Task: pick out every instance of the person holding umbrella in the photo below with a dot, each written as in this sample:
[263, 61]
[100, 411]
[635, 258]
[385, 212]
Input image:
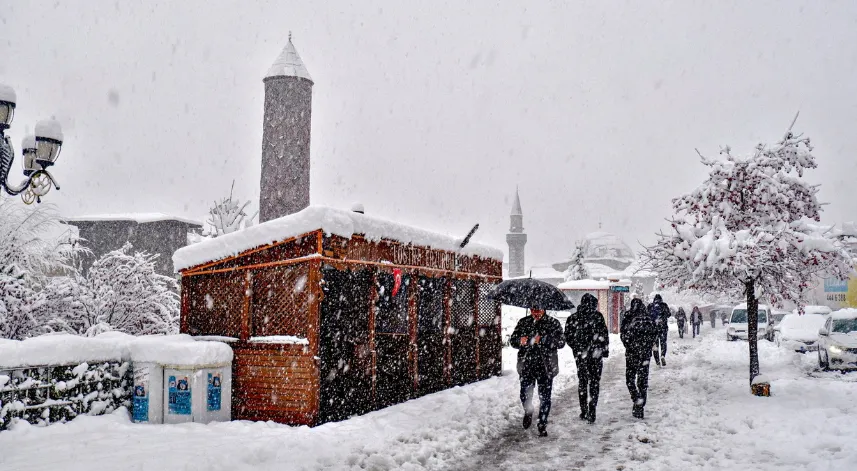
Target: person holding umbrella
[537, 337]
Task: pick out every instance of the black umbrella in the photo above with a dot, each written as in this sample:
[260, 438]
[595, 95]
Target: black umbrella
[532, 294]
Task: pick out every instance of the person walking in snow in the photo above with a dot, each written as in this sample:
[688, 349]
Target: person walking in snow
[659, 312]
[695, 320]
[586, 334]
[638, 333]
[537, 337]
[713, 316]
[680, 319]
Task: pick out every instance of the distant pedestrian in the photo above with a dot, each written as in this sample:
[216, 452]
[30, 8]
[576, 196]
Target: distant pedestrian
[537, 337]
[713, 316]
[680, 319]
[638, 333]
[695, 320]
[586, 334]
[659, 312]
[723, 316]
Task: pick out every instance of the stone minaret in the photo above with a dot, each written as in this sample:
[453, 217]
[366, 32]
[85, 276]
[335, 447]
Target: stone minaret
[516, 239]
[284, 188]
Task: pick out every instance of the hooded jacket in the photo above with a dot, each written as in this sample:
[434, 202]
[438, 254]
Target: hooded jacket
[536, 359]
[638, 330]
[586, 332]
[659, 312]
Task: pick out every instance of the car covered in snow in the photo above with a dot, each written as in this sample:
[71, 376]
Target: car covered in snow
[799, 332]
[811, 309]
[777, 316]
[737, 328]
[837, 341]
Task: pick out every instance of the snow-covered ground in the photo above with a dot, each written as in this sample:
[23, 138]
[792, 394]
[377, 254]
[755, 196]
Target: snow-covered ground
[700, 416]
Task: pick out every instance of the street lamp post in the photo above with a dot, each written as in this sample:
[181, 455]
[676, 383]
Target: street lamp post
[39, 152]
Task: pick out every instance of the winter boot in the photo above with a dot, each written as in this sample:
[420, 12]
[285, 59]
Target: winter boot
[663, 361]
[591, 416]
[543, 430]
[528, 420]
[637, 411]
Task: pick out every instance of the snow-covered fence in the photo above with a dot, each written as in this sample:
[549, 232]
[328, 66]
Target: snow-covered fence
[47, 394]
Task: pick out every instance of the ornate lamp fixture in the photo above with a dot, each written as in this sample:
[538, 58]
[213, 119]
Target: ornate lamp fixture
[39, 152]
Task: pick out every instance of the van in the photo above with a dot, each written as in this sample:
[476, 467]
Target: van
[738, 323]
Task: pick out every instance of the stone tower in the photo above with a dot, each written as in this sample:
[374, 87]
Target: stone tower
[516, 239]
[284, 187]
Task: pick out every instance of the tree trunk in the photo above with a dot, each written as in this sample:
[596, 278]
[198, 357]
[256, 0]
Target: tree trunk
[752, 327]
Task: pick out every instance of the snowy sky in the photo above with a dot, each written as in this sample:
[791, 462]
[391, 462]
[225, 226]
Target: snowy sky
[431, 113]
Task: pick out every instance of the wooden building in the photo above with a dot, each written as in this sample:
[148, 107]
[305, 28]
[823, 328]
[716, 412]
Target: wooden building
[332, 313]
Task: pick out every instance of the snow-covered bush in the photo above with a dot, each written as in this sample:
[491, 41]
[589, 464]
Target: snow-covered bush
[121, 291]
[229, 215]
[746, 231]
[45, 395]
[577, 269]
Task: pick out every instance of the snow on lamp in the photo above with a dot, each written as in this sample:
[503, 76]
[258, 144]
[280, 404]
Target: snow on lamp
[28, 147]
[7, 106]
[48, 142]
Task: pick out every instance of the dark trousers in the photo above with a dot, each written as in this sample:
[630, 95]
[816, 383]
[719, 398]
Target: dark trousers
[661, 342]
[696, 329]
[528, 383]
[637, 375]
[680, 329]
[588, 383]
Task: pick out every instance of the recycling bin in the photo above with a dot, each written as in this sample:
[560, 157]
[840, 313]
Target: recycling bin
[197, 394]
[147, 402]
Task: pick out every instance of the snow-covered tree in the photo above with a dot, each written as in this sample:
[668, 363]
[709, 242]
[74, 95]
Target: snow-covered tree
[229, 215]
[746, 231]
[121, 291]
[577, 269]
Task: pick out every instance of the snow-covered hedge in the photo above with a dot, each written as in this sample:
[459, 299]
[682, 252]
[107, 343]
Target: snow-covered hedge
[49, 394]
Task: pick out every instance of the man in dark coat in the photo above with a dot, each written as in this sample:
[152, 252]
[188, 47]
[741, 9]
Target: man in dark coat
[638, 333]
[695, 320]
[713, 317]
[659, 312]
[537, 337]
[680, 319]
[586, 334]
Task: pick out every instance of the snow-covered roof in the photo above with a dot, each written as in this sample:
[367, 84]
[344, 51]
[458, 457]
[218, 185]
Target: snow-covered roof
[542, 272]
[516, 205]
[330, 220]
[744, 306]
[135, 217]
[606, 245]
[288, 64]
[849, 313]
[591, 284]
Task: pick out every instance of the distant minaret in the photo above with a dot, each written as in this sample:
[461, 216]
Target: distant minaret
[516, 239]
[284, 188]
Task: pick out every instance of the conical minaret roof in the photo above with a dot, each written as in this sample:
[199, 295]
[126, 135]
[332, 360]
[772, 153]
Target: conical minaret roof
[289, 64]
[516, 206]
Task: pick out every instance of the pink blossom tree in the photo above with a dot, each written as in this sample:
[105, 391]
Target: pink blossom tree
[746, 231]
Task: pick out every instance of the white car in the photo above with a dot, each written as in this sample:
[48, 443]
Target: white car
[837, 341]
[799, 333]
[810, 309]
[737, 328]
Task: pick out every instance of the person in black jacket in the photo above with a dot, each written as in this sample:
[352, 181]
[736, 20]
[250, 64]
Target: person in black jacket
[638, 333]
[695, 320]
[659, 312]
[680, 319]
[586, 334]
[537, 337]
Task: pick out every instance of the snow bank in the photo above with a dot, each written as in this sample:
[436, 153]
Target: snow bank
[66, 349]
[332, 221]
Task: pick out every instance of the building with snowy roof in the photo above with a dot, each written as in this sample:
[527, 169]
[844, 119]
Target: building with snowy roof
[156, 233]
[334, 313]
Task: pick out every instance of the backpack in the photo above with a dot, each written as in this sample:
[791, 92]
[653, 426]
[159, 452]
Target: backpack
[641, 331]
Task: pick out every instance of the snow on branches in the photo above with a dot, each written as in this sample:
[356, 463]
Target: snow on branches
[228, 215]
[121, 291]
[577, 269]
[748, 225]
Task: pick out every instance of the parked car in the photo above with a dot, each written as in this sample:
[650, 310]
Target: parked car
[777, 316]
[837, 341]
[823, 310]
[738, 323]
[799, 333]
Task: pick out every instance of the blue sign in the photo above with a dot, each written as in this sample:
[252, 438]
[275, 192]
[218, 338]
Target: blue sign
[140, 412]
[179, 395]
[833, 285]
[214, 388]
[620, 289]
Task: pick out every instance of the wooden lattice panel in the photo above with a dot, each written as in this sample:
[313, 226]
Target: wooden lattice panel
[281, 298]
[488, 313]
[463, 306]
[215, 303]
